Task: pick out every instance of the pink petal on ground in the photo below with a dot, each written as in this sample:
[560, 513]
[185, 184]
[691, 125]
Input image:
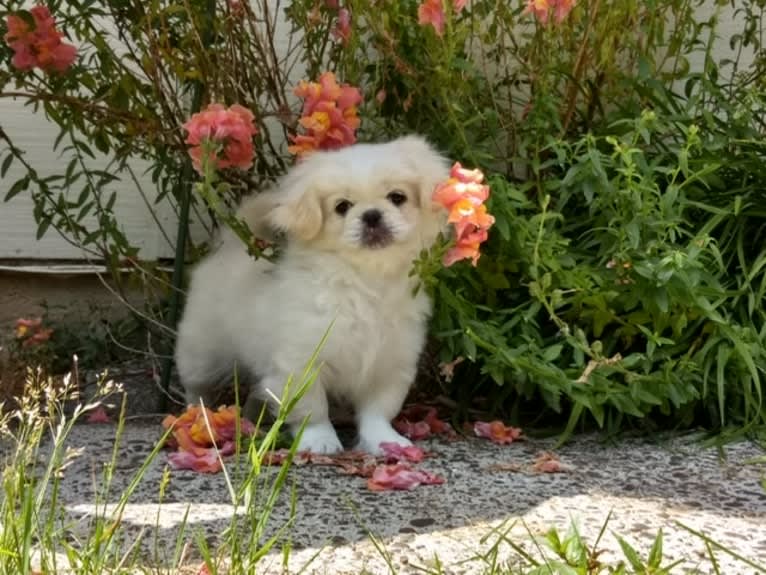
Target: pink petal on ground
[420, 421]
[547, 462]
[393, 452]
[496, 432]
[412, 430]
[207, 463]
[99, 415]
[400, 477]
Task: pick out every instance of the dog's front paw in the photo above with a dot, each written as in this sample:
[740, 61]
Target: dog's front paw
[371, 438]
[320, 438]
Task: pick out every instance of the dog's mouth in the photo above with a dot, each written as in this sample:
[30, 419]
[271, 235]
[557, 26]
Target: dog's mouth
[376, 237]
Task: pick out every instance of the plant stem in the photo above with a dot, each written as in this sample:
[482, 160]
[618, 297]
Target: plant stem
[184, 189]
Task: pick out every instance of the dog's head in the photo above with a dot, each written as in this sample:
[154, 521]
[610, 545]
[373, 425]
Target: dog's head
[365, 200]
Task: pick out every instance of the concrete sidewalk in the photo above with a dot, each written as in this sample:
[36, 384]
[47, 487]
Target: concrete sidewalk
[646, 486]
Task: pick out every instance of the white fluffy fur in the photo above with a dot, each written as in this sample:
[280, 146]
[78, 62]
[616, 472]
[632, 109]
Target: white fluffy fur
[268, 319]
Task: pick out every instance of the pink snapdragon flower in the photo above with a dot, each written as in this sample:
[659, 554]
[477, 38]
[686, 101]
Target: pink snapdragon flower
[432, 12]
[39, 45]
[342, 30]
[232, 128]
[542, 9]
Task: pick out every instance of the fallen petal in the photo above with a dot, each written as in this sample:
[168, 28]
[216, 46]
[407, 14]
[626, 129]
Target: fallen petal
[207, 463]
[400, 477]
[393, 452]
[547, 462]
[496, 432]
[415, 431]
[99, 415]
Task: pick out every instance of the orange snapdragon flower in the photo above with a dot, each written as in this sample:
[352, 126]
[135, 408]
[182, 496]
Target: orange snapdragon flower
[464, 194]
[31, 332]
[329, 115]
[197, 432]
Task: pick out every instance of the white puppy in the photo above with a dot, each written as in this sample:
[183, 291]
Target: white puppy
[355, 219]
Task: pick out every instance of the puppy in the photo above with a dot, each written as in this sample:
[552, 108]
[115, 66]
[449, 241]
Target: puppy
[354, 219]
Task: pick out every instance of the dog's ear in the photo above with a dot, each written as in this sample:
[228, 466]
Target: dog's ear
[432, 169]
[297, 210]
[255, 210]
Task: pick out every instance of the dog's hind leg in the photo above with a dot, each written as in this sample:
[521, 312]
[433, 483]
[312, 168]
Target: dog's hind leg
[202, 370]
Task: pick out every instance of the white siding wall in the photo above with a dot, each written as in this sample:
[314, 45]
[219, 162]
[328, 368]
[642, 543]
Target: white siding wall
[34, 134]
[31, 132]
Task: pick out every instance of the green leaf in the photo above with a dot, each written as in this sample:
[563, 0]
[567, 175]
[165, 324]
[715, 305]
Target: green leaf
[18, 187]
[631, 555]
[42, 227]
[469, 346]
[552, 353]
[6, 165]
[575, 551]
[723, 353]
[655, 555]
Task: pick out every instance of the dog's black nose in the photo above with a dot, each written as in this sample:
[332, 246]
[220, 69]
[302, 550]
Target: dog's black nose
[372, 218]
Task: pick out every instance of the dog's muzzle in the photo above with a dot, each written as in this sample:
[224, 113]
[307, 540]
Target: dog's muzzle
[375, 233]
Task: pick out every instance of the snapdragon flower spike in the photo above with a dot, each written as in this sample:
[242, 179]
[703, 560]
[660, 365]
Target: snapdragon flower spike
[342, 30]
[329, 115]
[543, 8]
[432, 12]
[464, 194]
[39, 45]
[231, 129]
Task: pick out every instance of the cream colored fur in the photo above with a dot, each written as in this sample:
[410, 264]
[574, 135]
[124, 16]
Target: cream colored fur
[268, 319]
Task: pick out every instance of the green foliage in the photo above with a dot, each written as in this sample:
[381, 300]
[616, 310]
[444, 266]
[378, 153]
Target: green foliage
[614, 284]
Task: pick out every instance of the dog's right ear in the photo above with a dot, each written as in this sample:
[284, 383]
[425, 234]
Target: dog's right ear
[297, 211]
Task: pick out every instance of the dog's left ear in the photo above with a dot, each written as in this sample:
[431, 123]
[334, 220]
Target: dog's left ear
[432, 169]
[297, 210]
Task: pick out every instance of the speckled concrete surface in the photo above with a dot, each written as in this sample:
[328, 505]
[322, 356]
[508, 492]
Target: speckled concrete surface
[646, 486]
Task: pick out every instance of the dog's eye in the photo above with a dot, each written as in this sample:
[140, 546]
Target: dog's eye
[397, 198]
[342, 207]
